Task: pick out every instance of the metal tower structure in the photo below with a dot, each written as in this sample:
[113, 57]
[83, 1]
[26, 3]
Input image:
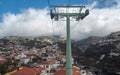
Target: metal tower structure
[68, 12]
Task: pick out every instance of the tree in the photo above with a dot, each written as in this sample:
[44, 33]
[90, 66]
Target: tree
[3, 69]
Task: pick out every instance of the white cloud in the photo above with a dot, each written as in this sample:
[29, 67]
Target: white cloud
[31, 22]
[37, 22]
[100, 22]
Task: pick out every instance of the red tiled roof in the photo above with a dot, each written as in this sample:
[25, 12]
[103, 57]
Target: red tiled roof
[63, 72]
[28, 71]
[52, 61]
[2, 61]
[41, 68]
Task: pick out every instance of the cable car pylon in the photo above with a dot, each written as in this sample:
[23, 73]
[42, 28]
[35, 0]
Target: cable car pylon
[55, 13]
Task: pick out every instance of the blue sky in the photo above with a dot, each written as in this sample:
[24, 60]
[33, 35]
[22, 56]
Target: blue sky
[30, 18]
[15, 6]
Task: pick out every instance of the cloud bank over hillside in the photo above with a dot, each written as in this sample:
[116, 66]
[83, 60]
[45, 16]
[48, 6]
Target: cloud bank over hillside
[37, 22]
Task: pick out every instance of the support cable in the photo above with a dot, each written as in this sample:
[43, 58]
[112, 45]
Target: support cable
[48, 3]
[90, 10]
[68, 2]
[53, 29]
[51, 19]
[98, 4]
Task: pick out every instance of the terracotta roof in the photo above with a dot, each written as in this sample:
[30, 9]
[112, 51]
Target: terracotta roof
[63, 71]
[52, 61]
[2, 61]
[28, 71]
[40, 68]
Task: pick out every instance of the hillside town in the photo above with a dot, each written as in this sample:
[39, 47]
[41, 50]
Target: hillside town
[34, 56]
[60, 37]
[45, 56]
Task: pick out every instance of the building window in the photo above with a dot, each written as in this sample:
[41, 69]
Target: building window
[47, 66]
[47, 71]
